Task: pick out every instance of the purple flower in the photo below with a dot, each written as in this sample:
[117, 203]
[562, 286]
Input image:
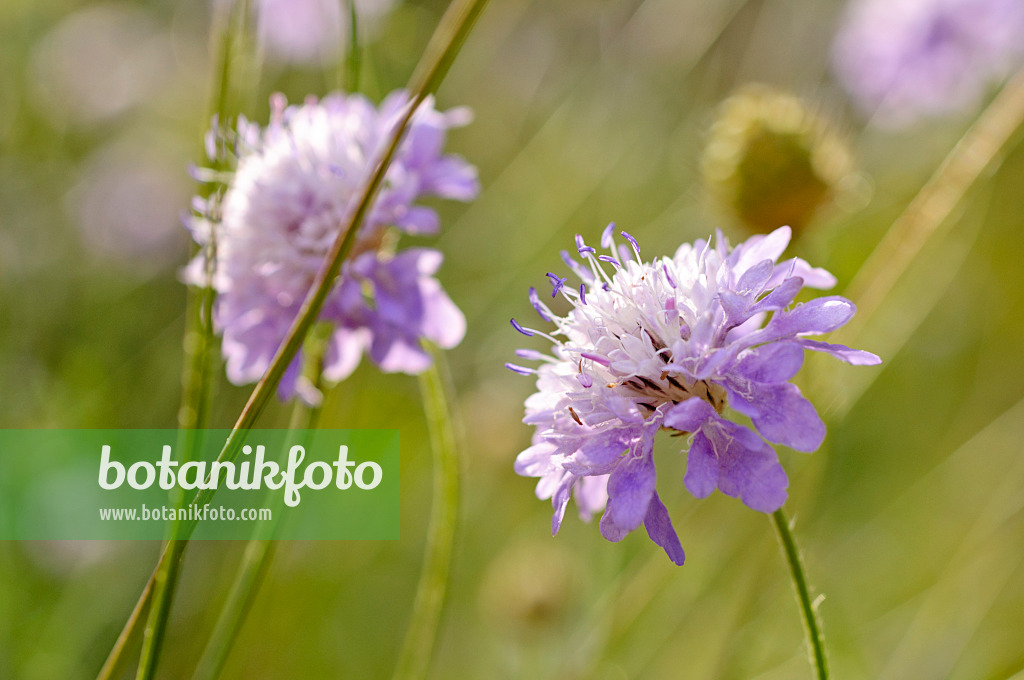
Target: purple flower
[307, 31]
[903, 59]
[295, 184]
[668, 344]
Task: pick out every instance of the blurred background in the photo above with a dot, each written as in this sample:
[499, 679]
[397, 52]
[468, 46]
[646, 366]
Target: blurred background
[587, 111]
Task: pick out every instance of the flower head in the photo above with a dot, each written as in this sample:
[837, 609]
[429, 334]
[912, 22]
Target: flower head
[904, 59]
[295, 184]
[308, 31]
[670, 344]
[771, 160]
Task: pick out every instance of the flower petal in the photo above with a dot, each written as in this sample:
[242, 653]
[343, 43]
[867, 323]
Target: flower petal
[598, 453]
[659, 528]
[452, 177]
[820, 315]
[420, 221]
[760, 247]
[772, 363]
[857, 357]
[443, 322]
[536, 460]
[560, 499]
[701, 477]
[780, 297]
[813, 277]
[630, 487]
[779, 412]
[344, 352]
[748, 468]
[591, 495]
[688, 415]
[395, 354]
[754, 279]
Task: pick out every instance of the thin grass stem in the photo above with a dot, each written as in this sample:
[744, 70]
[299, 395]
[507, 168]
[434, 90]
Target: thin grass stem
[417, 648]
[259, 550]
[930, 208]
[197, 342]
[354, 55]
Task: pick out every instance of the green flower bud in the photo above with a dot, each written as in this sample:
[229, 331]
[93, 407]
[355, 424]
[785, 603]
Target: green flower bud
[771, 161]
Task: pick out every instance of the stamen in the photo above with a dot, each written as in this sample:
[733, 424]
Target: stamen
[542, 310]
[531, 354]
[544, 335]
[583, 293]
[576, 267]
[632, 242]
[609, 259]
[597, 269]
[585, 380]
[199, 174]
[556, 282]
[597, 358]
[575, 417]
[581, 247]
[527, 333]
[521, 370]
[606, 235]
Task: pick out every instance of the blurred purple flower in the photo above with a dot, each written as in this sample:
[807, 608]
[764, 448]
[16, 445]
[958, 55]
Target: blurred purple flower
[902, 59]
[127, 204]
[667, 344]
[101, 61]
[307, 31]
[295, 184]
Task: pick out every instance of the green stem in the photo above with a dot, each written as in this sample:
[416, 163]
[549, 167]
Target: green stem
[194, 411]
[354, 57]
[164, 587]
[197, 343]
[255, 561]
[259, 551]
[414, 658]
[129, 633]
[812, 627]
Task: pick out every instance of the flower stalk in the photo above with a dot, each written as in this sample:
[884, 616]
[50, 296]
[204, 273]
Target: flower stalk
[259, 550]
[414, 658]
[198, 336]
[812, 626]
[198, 343]
[354, 56]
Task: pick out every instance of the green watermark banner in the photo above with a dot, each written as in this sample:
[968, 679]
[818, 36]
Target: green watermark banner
[141, 484]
